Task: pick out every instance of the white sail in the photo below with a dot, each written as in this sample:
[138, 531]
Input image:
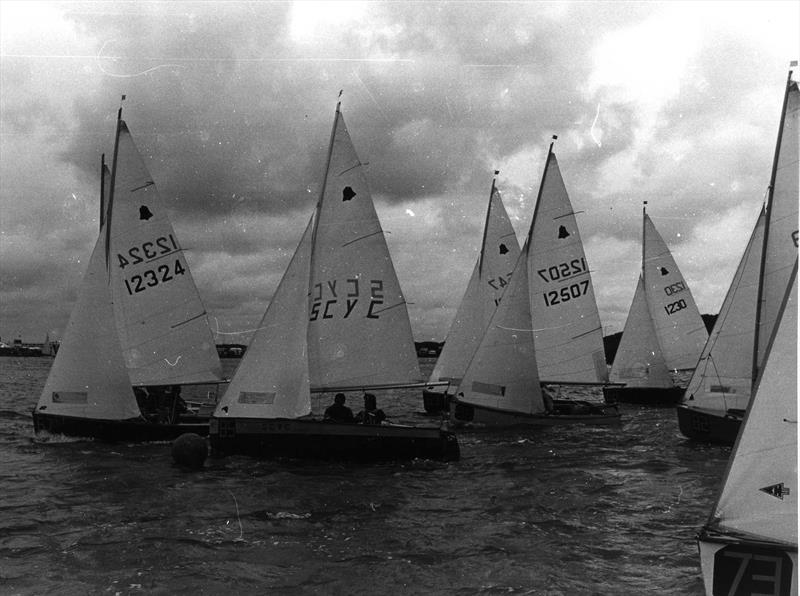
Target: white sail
[272, 379]
[781, 237]
[568, 333]
[679, 327]
[759, 493]
[724, 375]
[359, 333]
[493, 269]
[639, 361]
[503, 372]
[88, 378]
[162, 323]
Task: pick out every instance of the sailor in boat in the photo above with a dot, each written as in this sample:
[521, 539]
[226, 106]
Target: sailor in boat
[337, 411]
[370, 414]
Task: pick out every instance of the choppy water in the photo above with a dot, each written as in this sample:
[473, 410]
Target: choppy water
[581, 510]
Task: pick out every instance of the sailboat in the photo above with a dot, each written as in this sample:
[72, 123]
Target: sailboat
[749, 543]
[337, 322]
[545, 331]
[490, 276]
[664, 330]
[718, 393]
[138, 322]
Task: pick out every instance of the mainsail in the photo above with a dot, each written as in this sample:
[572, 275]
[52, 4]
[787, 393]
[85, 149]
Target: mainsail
[493, 269]
[568, 334]
[359, 333]
[724, 377]
[679, 327]
[162, 323]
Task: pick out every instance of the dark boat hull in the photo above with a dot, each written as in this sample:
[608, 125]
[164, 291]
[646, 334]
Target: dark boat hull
[434, 402]
[646, 396]
[128, 431]
[564, 412]
[314, 439]
[708, 426]
[743, 565]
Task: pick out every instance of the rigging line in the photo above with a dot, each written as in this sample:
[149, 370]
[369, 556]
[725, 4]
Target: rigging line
[588, 332]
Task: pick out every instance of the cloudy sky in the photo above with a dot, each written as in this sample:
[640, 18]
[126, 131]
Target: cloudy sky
[231, 105]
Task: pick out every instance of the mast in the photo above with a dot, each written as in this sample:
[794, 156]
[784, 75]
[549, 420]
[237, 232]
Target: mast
[644, 214]
[771, 189]
[539, 194]
[318, 208]
[111, 185]
[486, 223]
[102, 190]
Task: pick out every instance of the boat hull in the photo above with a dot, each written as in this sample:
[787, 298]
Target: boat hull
[647, 396]
[564, 412]
[315, 439]
[708, 426]
[737, 566]
[434, 402]
[128, 431]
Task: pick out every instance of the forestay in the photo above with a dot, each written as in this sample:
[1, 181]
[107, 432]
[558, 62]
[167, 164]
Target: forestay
[493, 269]
[162, 323]
[272, 380]
[568, 334]
[88, 378]
[639, 361]
[723, 378]
[759, 494]
[359, 333]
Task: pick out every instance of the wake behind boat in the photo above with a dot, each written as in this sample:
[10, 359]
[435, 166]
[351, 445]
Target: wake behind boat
[337, 322]
[718, 393]
[545, 330]
[138, 331]
[663, 331]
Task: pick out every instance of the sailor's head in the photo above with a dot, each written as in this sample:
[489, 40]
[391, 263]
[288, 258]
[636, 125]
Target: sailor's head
[370, 402]
[339, 398]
